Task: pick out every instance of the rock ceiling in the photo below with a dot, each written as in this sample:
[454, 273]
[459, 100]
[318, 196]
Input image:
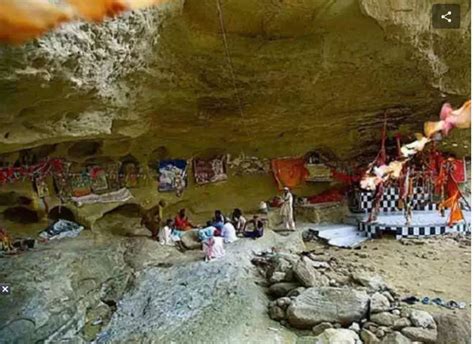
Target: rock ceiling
[302, 74]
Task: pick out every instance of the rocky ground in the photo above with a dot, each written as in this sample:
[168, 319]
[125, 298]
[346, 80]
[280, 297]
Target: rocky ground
[117, 286]
[343, 296]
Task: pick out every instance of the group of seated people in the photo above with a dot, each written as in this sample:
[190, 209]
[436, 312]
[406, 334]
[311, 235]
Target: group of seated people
[215, 233]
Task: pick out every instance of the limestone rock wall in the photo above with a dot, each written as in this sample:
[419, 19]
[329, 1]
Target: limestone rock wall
[308, 73]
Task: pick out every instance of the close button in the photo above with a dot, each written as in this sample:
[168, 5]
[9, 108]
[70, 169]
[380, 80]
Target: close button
[446, 16]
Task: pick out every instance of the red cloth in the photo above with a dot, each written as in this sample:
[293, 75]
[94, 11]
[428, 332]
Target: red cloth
[40, 170]
[182, 224]
[289, 172]
[459, 171]
[331, 195]
[344, 178]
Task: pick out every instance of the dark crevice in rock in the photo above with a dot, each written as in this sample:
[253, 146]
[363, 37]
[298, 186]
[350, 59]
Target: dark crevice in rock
[21, 215]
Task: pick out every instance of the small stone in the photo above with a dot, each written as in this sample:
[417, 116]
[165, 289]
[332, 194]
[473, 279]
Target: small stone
[389, 296]
[384, 318]
[422, 319]
[401, 323]
[368, 324]
[355, 327]
[296, 292]
[396, 312]
[320, 265]
[341, 336]
[283, 302]
[320, 328]
[282, 288]
[396, 338]
[307, 275]
[380, 333]
[337, 325]
[276, 313]
[370, 281]
[368, 337]
[277, 277]
[420, 334]
[379, 303]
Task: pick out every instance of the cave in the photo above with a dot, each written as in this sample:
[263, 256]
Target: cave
[344, 123]
[21, 215]
[61, 213]
[84, 149]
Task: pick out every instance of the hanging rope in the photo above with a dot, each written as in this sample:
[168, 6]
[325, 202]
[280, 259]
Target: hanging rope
[229, 59]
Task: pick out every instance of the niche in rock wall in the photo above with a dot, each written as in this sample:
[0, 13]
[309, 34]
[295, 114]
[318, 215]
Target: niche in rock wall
[12, 198]
[8, 198]
[62, 213]
[84, 149]
[21, 215]
[129, 170]
[34, 155]
[160, 153]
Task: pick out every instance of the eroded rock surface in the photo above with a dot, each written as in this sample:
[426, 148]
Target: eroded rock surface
[162, 74]
[133, 289]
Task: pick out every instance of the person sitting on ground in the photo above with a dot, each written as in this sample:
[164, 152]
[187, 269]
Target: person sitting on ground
[165, 234]
[213, 248]
[152, 218]
[228, 232]
[5, 240]
[218, 220]
[254, 228]
[181, 221]
[238, 220]
[207, 232]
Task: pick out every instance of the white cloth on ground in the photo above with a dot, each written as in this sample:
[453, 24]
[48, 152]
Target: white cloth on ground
[228, 233]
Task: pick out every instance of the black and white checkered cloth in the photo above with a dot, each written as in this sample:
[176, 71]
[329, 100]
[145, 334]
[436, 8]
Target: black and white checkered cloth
[421, 200]
[412, 231]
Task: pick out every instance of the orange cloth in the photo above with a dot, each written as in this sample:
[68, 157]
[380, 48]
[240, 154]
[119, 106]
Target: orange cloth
[21, 20]
[289, 172]
[453, 203]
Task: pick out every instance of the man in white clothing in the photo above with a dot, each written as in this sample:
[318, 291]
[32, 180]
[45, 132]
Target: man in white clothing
[228, 232]
[286, 210]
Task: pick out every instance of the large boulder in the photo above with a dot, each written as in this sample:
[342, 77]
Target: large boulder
[308, 275]
[422, 319]
[191, 241]
[370, 281]
[418, 334]
[339, 336]
[328, 304]
[379, 303]
[453, 329]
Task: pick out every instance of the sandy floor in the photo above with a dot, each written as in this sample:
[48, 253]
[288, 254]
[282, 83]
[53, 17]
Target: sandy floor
[436, 267]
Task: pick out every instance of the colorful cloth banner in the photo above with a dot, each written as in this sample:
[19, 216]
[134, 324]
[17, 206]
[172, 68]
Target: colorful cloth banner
[209, 170]
[172, 175]
[40, 170]
[81, 184]
[289, 172]
[98, 179]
